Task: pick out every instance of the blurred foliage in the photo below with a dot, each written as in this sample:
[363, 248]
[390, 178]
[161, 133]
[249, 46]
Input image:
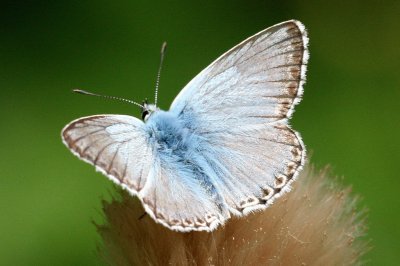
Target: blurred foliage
[348, 118]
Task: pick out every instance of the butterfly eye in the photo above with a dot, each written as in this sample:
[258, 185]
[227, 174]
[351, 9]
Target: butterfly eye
[144, 114]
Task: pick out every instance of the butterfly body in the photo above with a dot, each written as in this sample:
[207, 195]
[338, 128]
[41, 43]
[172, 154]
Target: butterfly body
[223, 148]
[181, 150]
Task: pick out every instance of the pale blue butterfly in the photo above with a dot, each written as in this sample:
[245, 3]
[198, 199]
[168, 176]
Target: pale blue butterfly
[224, 148]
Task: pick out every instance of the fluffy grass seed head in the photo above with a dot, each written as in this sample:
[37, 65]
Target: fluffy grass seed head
[317, 223]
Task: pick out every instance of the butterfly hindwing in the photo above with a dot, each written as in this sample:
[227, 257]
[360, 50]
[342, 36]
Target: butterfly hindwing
[254, 167]
[178, 201]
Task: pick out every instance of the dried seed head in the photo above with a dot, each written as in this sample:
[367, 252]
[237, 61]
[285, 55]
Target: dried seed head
[316, 223]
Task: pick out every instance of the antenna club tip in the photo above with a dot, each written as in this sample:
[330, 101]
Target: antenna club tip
[163, 47]
[81, 91]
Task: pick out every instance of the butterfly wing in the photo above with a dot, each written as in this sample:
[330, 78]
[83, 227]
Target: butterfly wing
[115, 144]
[241, 104]
[120, 147]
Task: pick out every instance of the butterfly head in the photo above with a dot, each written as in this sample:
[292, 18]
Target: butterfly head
[148, 109]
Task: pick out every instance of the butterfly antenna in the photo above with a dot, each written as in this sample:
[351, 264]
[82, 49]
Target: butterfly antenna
[107, 97]
[163, 49]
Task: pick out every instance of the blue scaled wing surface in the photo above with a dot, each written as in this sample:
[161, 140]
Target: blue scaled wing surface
[240, 105]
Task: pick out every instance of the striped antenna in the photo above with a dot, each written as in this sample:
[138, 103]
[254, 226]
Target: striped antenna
[107, 97]
[163, 49]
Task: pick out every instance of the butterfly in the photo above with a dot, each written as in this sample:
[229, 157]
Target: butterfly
[224, 148]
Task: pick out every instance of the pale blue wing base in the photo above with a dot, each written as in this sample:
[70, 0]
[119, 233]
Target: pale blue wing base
[180, 193]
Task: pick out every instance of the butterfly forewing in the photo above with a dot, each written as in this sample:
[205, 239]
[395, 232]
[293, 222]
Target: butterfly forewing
[115, 144]
[258, 81]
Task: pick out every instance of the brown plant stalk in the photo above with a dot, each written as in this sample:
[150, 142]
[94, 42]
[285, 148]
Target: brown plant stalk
[317, 223]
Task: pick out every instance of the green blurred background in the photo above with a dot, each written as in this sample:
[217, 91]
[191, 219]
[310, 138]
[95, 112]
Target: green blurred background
[48, 198]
